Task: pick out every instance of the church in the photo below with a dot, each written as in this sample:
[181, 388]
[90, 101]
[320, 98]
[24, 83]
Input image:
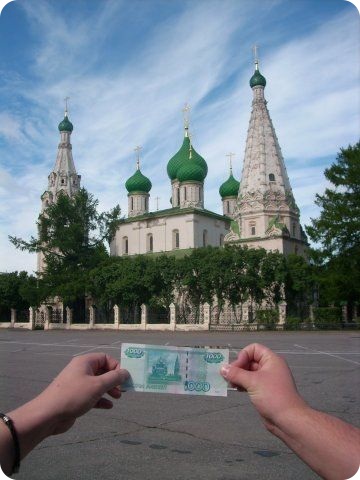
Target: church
[259, 211]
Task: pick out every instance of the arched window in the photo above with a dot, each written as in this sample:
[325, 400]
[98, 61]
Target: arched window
[125, 245]
[294, 229]
[221, 240]
[178, 196]
[150, 243]
[227, 206]
[132, 203]
[205, 238]
[252, 228]
[175, 239]
[184, 193]
[271, 177]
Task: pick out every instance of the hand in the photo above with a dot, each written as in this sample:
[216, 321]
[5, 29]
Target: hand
[267, 379]
[79, 387]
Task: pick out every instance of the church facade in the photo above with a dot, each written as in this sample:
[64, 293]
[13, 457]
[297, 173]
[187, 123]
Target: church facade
[259, 211]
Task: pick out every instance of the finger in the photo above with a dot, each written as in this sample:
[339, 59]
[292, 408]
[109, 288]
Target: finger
[237, 376]
[114, 378]
[242, 360]
[100, 362]
[114, 392]
[257, 353]
[104, 403]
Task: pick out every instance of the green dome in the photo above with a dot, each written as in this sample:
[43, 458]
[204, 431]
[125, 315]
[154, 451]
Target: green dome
[65, 125]
[190, 171]
[182, 156]
[230, 188]
[138, 183]
[257, 79]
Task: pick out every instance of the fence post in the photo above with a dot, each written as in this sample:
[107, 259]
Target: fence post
[144, 315]
[355, 312]
[206, 311]
[312, 316]
[69, 317]
[172, 316]
[116, 316]
[13, 318]
[245, 313]
[91, 316]
[47, 317]
[31, 318]
[282, 313]
[344, 312]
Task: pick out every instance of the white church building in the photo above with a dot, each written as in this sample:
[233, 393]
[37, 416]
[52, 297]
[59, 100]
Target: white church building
[259, 211]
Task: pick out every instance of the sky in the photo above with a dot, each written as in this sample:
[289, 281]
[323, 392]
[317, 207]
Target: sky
[129, 66]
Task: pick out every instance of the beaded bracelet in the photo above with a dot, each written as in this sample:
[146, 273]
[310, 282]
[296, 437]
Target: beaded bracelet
[10, 424]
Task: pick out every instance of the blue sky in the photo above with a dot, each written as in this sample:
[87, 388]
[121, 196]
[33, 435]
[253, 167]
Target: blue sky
[129, 67]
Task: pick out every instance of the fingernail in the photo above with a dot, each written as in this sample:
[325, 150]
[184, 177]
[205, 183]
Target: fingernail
[225, 370]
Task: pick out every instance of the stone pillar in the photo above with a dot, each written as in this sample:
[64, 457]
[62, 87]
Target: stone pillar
[92, 314]
[282, 313]
[245, 314]
[355, 312]
[32, 313]
[344, 312]
[47, 313]
[69, 317]
[116, 316]
[172, 316]
[144, 316]
[312, 315]
[13, 317]
[206, 307]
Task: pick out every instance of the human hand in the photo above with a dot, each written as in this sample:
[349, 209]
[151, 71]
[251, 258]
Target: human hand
[79, 387]
[267, 379]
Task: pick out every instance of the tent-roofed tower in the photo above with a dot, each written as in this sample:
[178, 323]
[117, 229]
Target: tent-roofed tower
[267, 215]
[63, 177]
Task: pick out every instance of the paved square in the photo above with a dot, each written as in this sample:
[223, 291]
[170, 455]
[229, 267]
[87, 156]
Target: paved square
[152, 436]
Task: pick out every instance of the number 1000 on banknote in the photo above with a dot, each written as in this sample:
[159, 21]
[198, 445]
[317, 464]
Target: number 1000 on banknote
[183, 370]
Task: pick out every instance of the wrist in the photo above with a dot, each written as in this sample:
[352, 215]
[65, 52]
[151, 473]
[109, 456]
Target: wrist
[285, 421]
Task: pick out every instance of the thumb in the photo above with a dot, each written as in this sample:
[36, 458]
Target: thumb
[113, 378]
[237, 376]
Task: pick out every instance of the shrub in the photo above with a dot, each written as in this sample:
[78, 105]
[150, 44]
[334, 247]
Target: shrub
[268, 318]
[292, 323]
[327, 318]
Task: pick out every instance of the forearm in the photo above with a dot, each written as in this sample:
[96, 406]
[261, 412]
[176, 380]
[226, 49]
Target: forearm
[328, 445]
[32, 423]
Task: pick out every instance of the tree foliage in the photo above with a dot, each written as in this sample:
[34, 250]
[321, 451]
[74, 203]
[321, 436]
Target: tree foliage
[337, 230]
[71, 238]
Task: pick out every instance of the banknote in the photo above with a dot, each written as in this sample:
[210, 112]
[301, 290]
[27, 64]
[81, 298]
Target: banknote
[184, 370]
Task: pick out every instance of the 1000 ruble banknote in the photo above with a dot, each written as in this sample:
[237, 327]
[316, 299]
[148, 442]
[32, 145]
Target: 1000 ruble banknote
[183, 370]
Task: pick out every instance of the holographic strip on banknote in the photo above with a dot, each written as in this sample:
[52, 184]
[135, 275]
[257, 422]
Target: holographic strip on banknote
[182, 370]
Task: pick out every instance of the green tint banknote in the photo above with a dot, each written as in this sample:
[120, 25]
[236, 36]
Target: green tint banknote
[184, 370]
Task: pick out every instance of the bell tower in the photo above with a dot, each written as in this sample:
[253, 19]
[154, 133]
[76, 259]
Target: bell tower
[267, 214]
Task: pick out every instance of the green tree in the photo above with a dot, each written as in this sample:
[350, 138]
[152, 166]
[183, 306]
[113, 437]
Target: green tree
[72, 236]
[17, 290]
[299, 284]
[337, 230]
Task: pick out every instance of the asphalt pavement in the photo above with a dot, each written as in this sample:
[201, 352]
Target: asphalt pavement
[159, 436]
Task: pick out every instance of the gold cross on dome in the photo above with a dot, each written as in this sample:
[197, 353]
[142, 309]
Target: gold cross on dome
[138, 150]
[230, 155]
[256, 58]
[186, 113]
[66, 104]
